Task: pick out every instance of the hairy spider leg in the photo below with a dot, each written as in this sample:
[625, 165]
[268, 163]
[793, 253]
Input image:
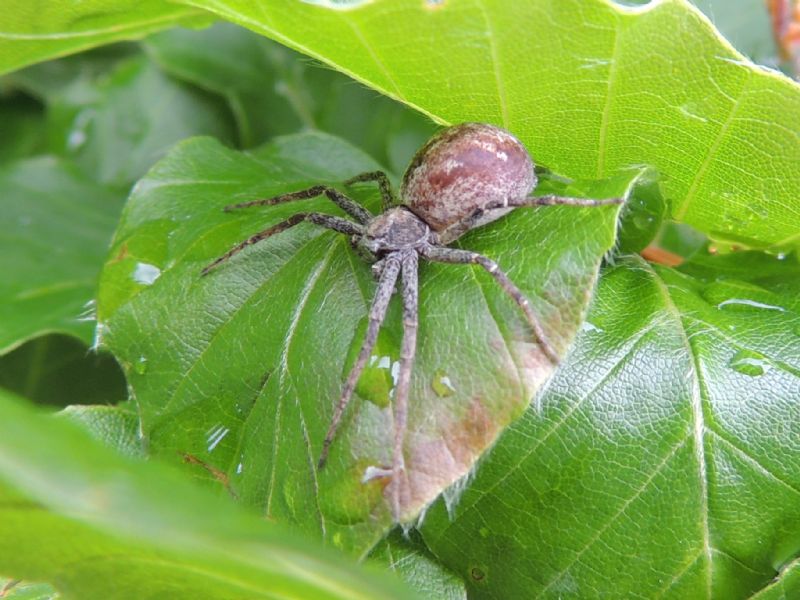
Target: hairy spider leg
[459, 228]
[348, 205]
[408, 350]
[388, 199]
[452, 255]
[323, 220]
[377, 313]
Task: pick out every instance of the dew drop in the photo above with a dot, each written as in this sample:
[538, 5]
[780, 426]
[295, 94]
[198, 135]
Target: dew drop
[140, 366]
[146, 274]
[589, 326]
[379, 377]
[749, 362]
[77, 136]
[442, 384]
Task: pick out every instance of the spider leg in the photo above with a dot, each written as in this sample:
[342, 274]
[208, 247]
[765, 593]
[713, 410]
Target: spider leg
[387, 195]
[459, 228]
[348, 205]
[327, 221]
[377, 313]
[408, 349]
[551, 200]
[453, 255]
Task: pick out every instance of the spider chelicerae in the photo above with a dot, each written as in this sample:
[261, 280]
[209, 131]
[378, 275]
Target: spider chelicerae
[465, 176]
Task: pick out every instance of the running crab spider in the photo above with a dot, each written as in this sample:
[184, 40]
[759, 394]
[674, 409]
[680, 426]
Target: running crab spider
[464, 177]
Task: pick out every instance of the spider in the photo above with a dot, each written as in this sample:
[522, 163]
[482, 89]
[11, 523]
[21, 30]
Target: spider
[465, 176]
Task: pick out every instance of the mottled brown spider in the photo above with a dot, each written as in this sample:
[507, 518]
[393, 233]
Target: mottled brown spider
[464, 177]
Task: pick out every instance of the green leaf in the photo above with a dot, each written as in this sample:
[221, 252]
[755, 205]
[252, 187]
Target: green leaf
[271, 91]
[590, 86]
[117, 125]
[59, 369]
[115, 426]
[97, 525]
[23, 127]
[240, 369]
[58, 228]
[661, 461]
[745, 23]
[412, 561]
[35, 31]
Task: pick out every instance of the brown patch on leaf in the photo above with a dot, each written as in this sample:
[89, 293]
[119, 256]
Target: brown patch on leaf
[220, 476]
[435, 464]
[122, 254]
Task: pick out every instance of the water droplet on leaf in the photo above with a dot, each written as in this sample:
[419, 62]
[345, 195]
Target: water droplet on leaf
[589, 326]
[140, 366]
[379, 376]
[442, 384]
[146, 274]
[749, 362]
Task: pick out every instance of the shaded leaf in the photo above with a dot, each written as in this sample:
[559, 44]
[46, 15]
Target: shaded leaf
[115, 426]
[23, 127]
[413, 562]
[35, 31]
[289, 311]
[591, 87]
[58, 370]
[97, 525]
[270, 91]
[57, 228]
[661, 461]
[118, 124]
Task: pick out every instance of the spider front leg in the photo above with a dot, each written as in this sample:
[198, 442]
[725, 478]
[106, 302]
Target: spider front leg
[377, 313]
[348, 205]
[452, 255]
[459, 228]
[408, 350]
[327, 221]
[387, 195]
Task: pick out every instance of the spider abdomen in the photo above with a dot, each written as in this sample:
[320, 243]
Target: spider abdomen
[464, 168]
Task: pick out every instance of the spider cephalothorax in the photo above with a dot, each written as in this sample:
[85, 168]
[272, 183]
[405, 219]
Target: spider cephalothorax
[464, 177]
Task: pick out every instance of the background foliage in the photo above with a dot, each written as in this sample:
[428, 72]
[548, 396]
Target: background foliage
[660, 461]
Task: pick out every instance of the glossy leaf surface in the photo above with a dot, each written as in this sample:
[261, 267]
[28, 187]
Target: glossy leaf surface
[34, 31]
[272, 90]
[591, 87]
[661, 461]
[58, 227]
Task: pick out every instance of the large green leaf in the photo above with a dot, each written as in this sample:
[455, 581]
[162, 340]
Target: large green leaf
[591, 87]
[746, 23]
[117, 124]
[57, 227]
[240, 369]
[271, 91]
[407, 556]
[97, 525]
[35, 31]
[661, 461]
